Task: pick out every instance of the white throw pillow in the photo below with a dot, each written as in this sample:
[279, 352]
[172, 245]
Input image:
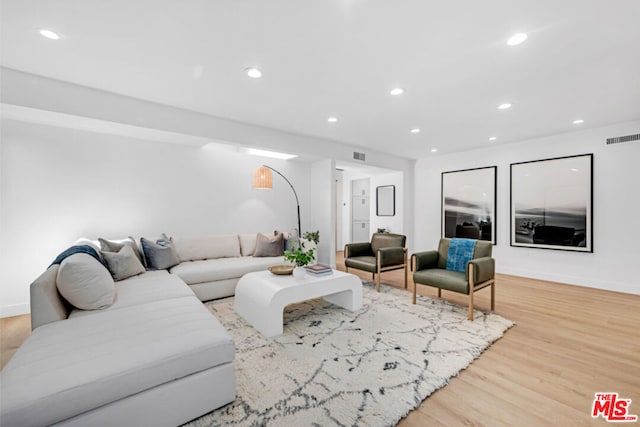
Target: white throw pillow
[247, 244]
[85, 283]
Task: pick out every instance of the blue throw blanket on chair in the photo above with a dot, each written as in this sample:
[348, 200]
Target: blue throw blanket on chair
[460, 253]
[78, 249]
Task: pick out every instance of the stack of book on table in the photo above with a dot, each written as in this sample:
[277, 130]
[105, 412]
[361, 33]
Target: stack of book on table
[318, 269]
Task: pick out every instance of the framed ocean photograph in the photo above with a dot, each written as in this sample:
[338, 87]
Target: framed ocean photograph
[552, 203]
[469, 203]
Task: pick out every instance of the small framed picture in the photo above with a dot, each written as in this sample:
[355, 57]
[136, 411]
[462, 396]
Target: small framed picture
[386, 200]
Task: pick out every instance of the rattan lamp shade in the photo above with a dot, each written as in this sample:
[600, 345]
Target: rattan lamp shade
[262, 178]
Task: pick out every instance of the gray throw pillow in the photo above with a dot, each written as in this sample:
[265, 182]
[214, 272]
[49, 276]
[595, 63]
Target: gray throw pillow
[85, 283]
[267, 246]
[123, 264]
[116, 245]
[291, 239]
[161, 254]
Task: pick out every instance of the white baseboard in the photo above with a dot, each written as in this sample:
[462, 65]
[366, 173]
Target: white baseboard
[624, 287]
[14, 310]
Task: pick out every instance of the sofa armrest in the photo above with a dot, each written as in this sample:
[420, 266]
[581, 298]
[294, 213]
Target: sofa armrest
[391, 256]
[483, 269]
[357, 249]
[47, 305]
[424, 260]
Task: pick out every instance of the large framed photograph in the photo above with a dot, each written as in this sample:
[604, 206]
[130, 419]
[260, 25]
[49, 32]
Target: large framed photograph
[552, 203]
[469, 203]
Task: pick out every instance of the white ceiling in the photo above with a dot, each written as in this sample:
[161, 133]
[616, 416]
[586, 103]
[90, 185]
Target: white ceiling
[341, 57]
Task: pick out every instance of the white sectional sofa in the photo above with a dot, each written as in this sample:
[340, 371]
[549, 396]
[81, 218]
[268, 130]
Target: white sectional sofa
[155, 356]
[212, 265]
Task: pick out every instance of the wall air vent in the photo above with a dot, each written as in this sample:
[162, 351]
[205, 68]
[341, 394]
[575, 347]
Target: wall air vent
[620, 139]
[358, 156]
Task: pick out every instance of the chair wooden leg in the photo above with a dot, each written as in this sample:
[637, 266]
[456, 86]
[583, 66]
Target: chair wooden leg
[493, 297]
[472, 284]
[439, 293]
[406, 269]
[406, 275]
[378, 270]
[415, 285]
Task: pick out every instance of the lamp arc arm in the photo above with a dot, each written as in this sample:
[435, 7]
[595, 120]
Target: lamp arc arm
[288, 182]
[294, 193]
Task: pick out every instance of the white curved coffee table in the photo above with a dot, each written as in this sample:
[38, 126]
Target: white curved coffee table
[262, 296]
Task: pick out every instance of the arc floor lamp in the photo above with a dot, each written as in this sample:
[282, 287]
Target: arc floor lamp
[262, 179]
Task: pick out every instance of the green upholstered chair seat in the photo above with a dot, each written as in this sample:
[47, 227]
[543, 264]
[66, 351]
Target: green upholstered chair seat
[443, 279]
[366, 263]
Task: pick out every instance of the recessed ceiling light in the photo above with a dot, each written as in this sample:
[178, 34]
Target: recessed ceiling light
[516, 39]
[254, 73]
[415, 130]
[492, 138]
[504, 106]
[578, 122]
[49, 34]
[397, 91]
[434, 150]
[575, 170]
[332, 119]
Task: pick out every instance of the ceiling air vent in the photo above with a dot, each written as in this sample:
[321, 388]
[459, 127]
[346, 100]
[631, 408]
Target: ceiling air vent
[620, 139]
[358, 156]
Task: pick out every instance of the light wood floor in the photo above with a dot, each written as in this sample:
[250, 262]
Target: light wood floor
[569, 342]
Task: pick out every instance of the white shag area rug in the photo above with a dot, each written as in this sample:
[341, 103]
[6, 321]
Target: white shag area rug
[333, 367]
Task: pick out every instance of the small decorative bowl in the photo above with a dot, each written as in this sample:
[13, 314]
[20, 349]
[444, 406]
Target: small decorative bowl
[281, 270]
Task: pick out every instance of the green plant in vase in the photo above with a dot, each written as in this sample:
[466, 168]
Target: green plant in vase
[312, 236]
[299, 255]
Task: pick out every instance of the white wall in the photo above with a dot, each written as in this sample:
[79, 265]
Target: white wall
[323, 216]
[339, 208]
[393, 223]
[59, 184]
[616, 195]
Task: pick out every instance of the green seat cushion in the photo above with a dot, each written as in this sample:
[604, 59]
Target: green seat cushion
[443, 279]
[366, 263]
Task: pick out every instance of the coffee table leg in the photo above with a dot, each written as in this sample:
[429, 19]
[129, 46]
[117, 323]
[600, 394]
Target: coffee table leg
[346, 299]
[272, 323]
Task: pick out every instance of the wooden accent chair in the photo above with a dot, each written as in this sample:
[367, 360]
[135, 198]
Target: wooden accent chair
[429, 268]
[385, 252]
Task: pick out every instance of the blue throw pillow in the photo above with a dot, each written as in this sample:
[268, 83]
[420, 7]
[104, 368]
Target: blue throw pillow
[460, 253]
[161, 254]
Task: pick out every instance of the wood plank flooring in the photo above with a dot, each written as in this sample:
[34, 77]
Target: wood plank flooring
[569, 342]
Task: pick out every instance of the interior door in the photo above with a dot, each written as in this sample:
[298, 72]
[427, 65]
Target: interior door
[360, 210]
